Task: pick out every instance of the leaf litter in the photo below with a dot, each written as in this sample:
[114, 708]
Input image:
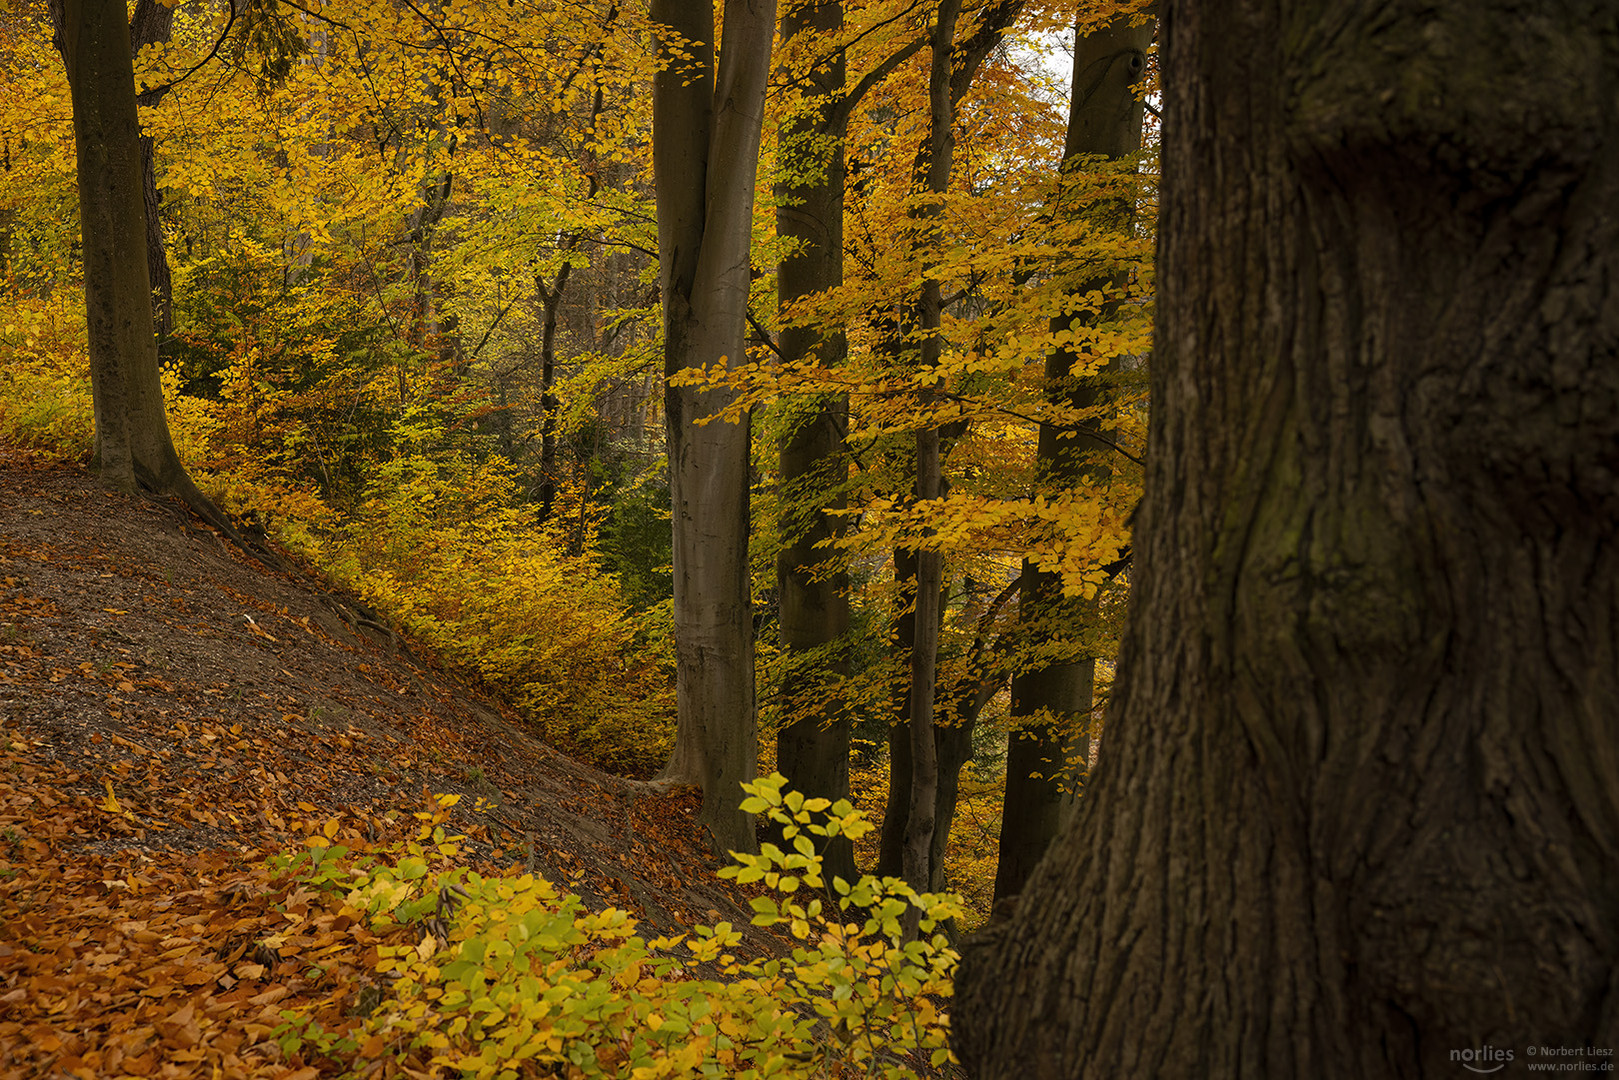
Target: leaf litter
[171, 715]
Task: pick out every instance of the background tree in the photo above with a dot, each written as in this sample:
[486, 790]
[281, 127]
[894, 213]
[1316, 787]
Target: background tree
[1051, 700]
[812, 750]
[1359, 801]
[401, 377]
[914, 811]
[706, 130]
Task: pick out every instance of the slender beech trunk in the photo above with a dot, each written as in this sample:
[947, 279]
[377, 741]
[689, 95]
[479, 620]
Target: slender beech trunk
[551, 302]
[1104, 118]
[1359, 814]
[912, 815]
[952, 742]
[705, 143]
[953, 745]
[897, 810]
[813, 750]
[940, 157]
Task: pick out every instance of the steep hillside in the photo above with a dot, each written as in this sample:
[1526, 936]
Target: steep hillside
[170, 713]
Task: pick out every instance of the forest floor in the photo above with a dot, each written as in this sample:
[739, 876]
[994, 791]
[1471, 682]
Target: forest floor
[171, 714]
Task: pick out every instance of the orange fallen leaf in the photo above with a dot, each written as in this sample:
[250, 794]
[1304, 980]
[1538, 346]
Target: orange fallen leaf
[270, 996]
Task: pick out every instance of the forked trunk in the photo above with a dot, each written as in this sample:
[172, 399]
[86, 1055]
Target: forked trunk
[706, 129]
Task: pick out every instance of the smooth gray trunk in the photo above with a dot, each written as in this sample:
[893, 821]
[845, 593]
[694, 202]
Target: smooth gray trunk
[706, 131]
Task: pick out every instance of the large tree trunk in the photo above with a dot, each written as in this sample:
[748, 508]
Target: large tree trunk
[705, 141]
[1104, 118]
[133, 445]
[813, 750]
[1359, 813]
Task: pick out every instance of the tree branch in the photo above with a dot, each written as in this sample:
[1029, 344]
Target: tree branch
[846, 104]
[764, 335]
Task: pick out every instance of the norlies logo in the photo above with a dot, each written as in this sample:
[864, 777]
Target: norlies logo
[1482, 1059]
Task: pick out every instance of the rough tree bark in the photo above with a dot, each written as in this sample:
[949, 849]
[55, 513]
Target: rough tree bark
[1104, 118]
[1360, 810]
[705, 147]
[133, 447]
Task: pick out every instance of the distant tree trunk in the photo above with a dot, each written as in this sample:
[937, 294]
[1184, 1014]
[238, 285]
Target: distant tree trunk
[1104, 118]
[1039, 794]
[1359, 813]
[813, 750]
[705, 142]
[952, 741]
[133, 446]
[952, 749]
[424, 316]
[897, 811]
[551, 301]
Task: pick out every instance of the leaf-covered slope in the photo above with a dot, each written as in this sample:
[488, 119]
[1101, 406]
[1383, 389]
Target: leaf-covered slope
[172, 713]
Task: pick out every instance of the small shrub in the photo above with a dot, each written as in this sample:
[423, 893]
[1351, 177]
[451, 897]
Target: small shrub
[522, 981]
